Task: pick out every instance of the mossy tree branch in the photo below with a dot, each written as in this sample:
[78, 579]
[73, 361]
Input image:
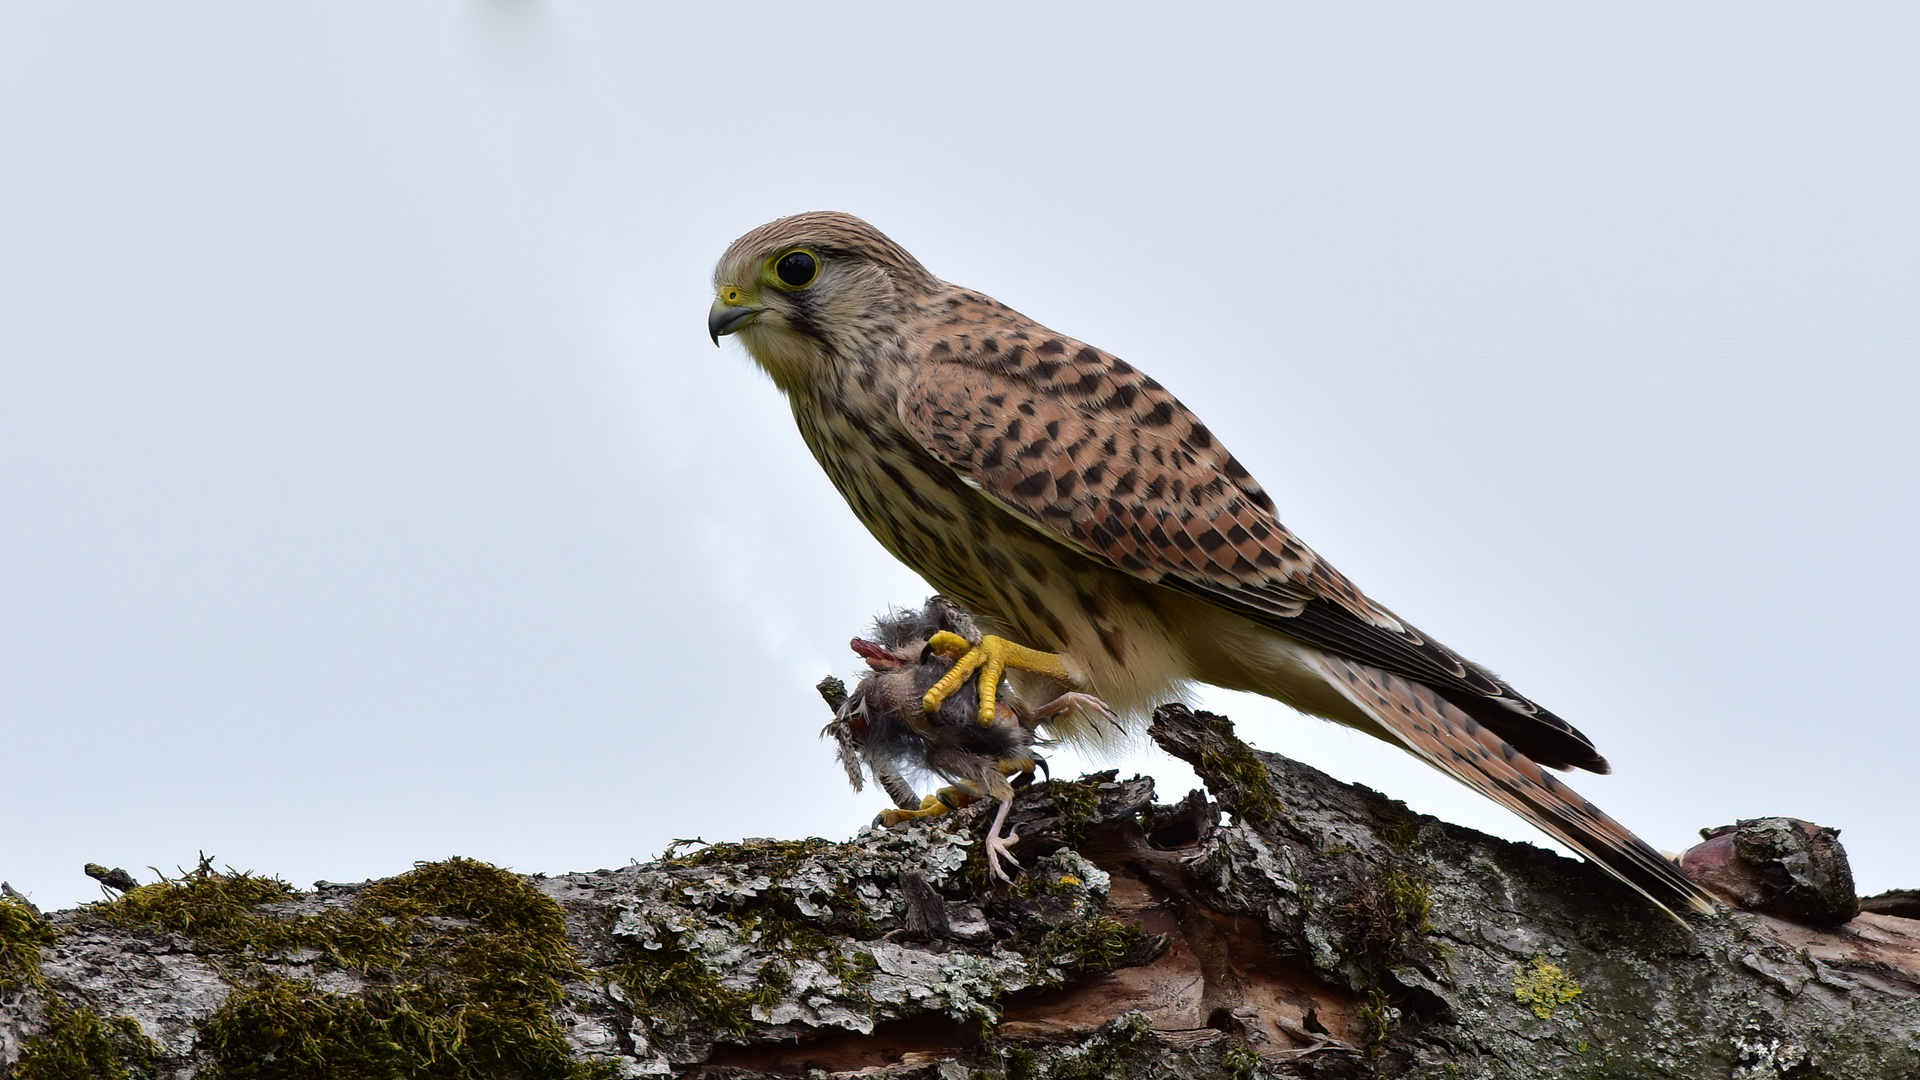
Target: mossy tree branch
[1282, 925]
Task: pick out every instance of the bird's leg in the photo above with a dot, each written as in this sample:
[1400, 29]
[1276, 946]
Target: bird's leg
[991, 658]
[998, 847]
[940, 802]
[1020, 768]
[896, 786]
[1074, 699]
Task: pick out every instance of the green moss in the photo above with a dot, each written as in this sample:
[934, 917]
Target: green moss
[1063, 927]
[1225, 759]
[279, 1027]
[1240, 1062]
[1410, 899]
[791, 937]
[220, 913]
[22, 935]
[1044, 885]
[773, 856]
[1018, 1062]
[288, 1029]
[1397, 826]
[675, 990]
[1117, 1050]
[463, 964]
[472, 994]
[1091, 945]
[80, 1044]
[1387, 918]
[1378, 1017]
[216, 910]
[1543, 987]
[499, 903]
[1078, 802]
[852, 912]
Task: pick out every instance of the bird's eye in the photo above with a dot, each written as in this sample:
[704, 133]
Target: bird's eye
[797, 269]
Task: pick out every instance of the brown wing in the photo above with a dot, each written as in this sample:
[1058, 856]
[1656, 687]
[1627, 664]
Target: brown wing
[1095, 453]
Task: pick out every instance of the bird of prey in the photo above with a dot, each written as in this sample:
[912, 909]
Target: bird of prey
[884, 728]
[1072, 503]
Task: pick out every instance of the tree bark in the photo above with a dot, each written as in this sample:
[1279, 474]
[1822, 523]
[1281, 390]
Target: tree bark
[1281, 925]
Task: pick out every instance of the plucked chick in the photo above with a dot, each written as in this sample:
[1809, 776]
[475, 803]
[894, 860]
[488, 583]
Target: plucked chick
[884, 728]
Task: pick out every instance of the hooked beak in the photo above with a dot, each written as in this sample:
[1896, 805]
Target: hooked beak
[724, 318]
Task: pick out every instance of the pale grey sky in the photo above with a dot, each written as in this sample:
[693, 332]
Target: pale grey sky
[369, 490]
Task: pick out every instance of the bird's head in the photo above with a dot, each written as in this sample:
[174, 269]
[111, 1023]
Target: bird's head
[806, 291]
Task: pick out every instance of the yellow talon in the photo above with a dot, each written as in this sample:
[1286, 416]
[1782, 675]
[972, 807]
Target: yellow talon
[992, 657]
[960, 795]
[947, 798]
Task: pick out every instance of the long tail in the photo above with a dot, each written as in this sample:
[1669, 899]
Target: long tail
[1456, 744]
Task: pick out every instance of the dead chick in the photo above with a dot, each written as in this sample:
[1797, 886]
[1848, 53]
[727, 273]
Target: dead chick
[883, 728]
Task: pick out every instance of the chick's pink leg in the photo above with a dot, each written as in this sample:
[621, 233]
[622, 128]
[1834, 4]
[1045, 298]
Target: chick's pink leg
[998, 847]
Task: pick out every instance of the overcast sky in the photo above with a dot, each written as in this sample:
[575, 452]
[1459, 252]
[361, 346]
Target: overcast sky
[370, 492]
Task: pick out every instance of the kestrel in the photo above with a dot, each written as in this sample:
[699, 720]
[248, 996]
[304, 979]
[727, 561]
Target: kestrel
[1070, 502]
